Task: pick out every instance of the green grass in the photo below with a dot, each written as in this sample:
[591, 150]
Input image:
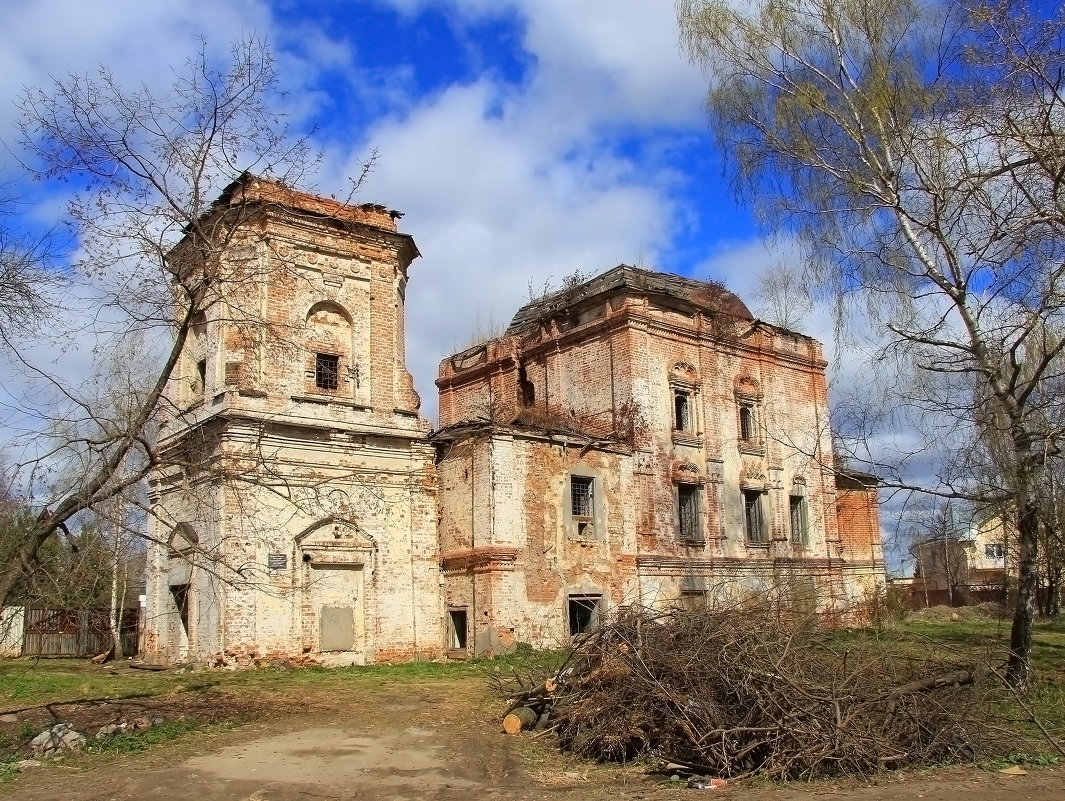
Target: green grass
[28, 683]
[134, 742]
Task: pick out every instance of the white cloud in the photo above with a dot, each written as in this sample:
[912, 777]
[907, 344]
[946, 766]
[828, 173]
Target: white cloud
[494, 205]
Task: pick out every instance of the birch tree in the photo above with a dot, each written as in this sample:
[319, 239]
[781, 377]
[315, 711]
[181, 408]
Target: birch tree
[917, 148]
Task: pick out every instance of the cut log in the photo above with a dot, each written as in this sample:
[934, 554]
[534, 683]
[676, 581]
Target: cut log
[519, 720]
[550, 685]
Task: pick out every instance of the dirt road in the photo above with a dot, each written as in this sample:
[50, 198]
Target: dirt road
[437, 741]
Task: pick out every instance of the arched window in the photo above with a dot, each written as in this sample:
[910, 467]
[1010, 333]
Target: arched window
[328, 342]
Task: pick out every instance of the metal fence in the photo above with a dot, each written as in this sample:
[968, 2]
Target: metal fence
[77, 632]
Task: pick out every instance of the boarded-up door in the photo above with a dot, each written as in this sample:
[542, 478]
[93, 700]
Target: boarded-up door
[337, 592]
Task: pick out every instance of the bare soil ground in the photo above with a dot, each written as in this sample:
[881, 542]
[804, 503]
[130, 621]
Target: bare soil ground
[434, 739]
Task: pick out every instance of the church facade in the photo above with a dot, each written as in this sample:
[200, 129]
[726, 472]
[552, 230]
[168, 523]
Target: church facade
[634, 438]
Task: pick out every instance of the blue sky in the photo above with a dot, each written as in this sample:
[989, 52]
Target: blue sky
[523, 139]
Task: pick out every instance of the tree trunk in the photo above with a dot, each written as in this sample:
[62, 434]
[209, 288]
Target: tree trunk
[117, 599]
[1027, 579]
[521, 719]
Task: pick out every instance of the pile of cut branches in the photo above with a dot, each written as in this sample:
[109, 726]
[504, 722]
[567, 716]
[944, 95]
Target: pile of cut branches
[743, 690]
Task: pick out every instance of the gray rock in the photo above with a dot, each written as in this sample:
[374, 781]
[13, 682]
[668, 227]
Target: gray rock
[109, 729]
[61, 737]
[8, 718]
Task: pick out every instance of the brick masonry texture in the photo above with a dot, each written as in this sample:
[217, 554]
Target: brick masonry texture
[319, 517]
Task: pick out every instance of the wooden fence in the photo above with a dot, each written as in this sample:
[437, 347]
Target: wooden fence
[77, 632]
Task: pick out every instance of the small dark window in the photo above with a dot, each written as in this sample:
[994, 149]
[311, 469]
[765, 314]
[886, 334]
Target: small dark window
[456, 630]
[688, 513]
[581, 500]
[748, 430]
[682, 411]
[326, 371]
[583, 613]
[797, 513]
[753, 519]
[180, 594]
[994, 550]
[201, 376]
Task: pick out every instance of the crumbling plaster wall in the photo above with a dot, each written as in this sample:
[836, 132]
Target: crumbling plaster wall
[513, 569]
[303, 276]
[596, 364]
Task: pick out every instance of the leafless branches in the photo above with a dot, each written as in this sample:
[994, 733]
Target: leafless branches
[744, 689]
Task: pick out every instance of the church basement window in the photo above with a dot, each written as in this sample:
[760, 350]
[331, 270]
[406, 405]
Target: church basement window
[583, 613]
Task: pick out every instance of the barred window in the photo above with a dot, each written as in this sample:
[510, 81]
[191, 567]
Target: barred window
[326, 371]
[580, 489]
[753, 518]
[748, 429]
[688, 514]
[799, 524]
[681, 411]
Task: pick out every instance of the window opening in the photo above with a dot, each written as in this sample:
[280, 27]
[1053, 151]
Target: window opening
[457, 629]
[752, 516]
[688, 508]
[797, 512]
[994, 550]
[582, 502]
[748, 431]
[693, 600]
[201, 375]
[583, 613]
[681, 411]
[526, 388]
[180, 594]
[326, 371]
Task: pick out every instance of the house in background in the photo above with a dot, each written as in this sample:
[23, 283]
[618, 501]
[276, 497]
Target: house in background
[635, 438]
[968, 561]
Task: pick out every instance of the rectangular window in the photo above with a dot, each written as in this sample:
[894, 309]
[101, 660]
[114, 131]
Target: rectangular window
[583, 612]
[748, 430]
[456, 634]
[581, 500]
[797, 513]
[682, 411]
[693, 600]
[201, 376]
[326, 371]
[688, 514]
[993, 550]
[753, 519]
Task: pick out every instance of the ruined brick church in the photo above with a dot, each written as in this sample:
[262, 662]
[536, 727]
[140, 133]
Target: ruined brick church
[634, 438]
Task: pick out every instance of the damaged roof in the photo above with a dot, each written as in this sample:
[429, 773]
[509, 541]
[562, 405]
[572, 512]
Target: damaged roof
[705, 296]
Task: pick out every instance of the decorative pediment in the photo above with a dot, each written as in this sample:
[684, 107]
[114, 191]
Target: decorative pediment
[687, 472]
[685, 373]
[747, 387]
[335, 534]
[753, 474]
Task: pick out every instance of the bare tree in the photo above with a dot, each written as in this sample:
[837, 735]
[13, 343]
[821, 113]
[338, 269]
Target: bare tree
[146, 166]
[916, 147]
